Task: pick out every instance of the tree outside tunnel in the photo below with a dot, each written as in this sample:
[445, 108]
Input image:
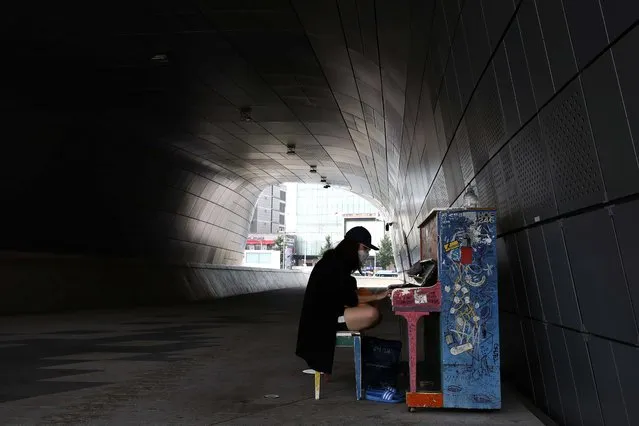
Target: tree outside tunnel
[328, 244]
[385, 255]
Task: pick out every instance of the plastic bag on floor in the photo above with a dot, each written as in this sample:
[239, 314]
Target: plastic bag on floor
[380, 362]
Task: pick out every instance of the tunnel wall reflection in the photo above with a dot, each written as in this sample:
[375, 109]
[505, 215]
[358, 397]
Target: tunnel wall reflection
[535, 105]
[37, 283]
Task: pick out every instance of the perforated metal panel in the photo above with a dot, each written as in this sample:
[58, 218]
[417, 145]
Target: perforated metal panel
[439, 128]
[438, 195]
[573, 162]
[514, 212]
[439, 190]
[485, 121]
[463, 150]
[453, 173]
[501, 194]
[610, 128]
[493, 117]
[450, 109]
[533, 176]
[486, 189]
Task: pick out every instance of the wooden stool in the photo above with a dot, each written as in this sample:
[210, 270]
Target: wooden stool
[347, 339]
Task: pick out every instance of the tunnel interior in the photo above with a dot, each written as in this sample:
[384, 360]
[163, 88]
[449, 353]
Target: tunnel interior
[126, 154]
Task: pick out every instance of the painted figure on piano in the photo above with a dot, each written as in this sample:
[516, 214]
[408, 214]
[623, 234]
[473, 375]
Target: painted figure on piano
[469, 321]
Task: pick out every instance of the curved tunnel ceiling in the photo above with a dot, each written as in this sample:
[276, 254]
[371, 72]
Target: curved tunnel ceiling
[127, 137]
[141, 105]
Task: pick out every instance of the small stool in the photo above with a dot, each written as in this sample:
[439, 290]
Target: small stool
[347, 339]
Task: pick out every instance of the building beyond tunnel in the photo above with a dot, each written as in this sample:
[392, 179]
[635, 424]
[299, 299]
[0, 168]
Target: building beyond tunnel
[269, 216]
[127, 163]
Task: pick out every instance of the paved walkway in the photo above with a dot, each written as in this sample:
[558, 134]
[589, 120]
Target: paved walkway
[192, 365]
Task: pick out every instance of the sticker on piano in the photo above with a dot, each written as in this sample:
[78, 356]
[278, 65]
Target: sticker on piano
[421, 298]
[456, 350]
[487, 217]
[451, 246]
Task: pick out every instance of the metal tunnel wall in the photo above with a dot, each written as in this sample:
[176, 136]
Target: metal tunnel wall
[536, 105]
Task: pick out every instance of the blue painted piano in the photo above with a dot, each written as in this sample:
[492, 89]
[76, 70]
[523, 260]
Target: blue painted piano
[463, 242]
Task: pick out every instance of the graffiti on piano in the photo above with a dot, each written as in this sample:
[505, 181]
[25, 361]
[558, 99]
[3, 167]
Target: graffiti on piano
[469, 319]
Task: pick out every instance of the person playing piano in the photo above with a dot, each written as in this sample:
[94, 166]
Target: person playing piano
[332, 302]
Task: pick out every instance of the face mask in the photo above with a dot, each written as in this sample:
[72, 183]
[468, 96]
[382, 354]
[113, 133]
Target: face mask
[363, 255]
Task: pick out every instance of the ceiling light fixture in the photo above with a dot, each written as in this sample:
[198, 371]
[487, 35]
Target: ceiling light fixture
[245, 114]
[313, 169]
[160, 58]
[327, 186]
[290, 149]
[323, 179]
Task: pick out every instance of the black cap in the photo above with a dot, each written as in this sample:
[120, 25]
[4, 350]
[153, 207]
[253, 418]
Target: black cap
[361, 235]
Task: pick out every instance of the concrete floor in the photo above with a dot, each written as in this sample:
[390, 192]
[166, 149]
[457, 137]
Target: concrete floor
[199, 364]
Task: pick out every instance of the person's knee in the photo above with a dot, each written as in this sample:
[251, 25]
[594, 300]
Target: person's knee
[372, 314]
[362, 317]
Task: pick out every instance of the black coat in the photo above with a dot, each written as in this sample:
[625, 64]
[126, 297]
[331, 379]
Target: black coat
[330, 288]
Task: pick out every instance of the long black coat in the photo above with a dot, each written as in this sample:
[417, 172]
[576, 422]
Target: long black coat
[330, 288]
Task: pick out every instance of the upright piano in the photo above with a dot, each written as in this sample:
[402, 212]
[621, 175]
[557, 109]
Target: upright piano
[463, 243]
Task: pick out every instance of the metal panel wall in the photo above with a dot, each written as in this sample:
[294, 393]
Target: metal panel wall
[548, 137]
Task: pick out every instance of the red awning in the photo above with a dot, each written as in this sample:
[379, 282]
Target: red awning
[260, 242]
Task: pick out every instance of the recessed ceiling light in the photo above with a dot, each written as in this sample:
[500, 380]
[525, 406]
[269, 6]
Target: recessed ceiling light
[160, 58]
[323, 179]
[290, 149]
[313, 169]
[245, 114]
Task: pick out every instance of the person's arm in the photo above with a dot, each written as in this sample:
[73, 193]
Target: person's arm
[349, 292]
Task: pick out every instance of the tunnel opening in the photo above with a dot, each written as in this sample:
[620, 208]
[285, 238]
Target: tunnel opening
[297, 222]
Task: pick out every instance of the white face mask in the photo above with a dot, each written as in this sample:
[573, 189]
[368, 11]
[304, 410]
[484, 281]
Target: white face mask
[363, 255]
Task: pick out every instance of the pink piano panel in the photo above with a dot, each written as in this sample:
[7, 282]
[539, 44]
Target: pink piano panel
[425, 299]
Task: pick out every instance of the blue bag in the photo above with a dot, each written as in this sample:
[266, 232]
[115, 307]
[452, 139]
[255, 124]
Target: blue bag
[380, 362]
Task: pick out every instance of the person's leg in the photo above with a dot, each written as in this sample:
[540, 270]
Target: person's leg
[361, 317]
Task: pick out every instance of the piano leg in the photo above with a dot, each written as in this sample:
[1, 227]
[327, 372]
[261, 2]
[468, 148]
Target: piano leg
[412, 318]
